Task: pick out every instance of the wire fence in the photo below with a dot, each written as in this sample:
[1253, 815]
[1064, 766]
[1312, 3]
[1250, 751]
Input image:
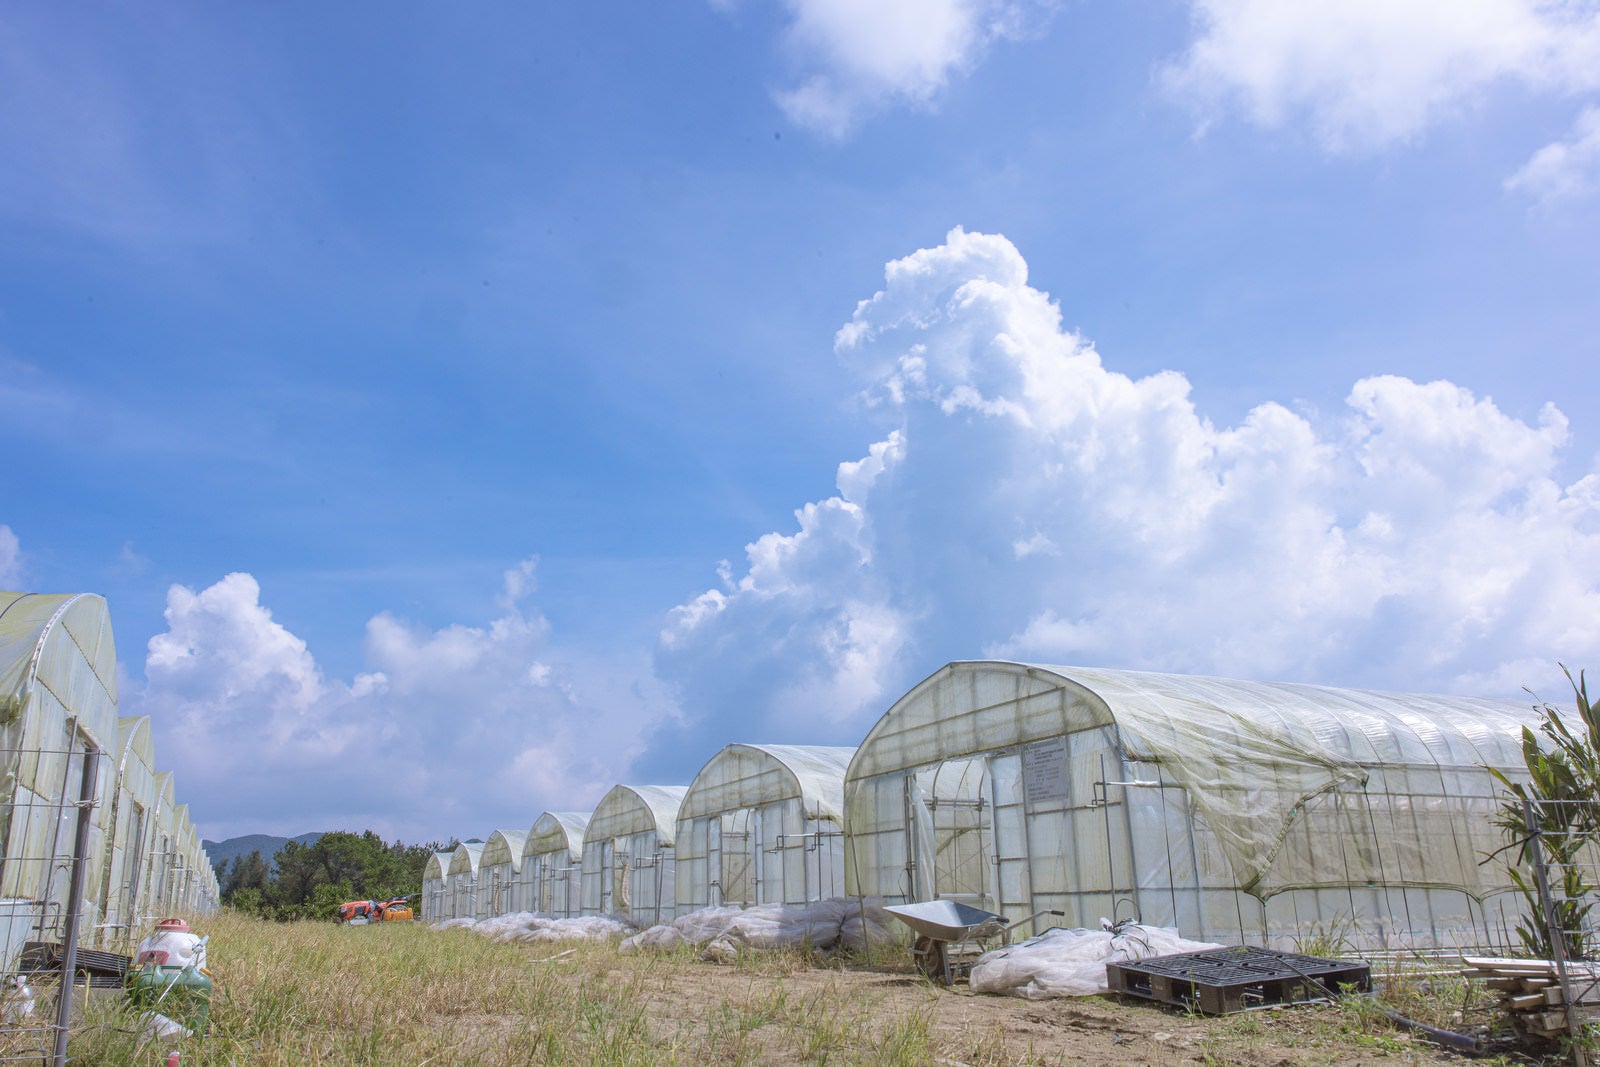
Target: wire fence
[1561, 857]
[46, 852]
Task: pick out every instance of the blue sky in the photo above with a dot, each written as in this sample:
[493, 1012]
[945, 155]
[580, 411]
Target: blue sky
[464, 413]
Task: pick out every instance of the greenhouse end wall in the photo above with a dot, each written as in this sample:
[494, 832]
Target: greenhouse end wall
[762, 824]
[552, 864]
[629, 864]
[1231, 810]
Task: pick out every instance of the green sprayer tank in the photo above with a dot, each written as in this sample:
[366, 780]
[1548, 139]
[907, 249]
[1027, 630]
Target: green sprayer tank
[169, 976]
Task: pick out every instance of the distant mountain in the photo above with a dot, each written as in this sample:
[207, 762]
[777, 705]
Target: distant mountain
[221, 852]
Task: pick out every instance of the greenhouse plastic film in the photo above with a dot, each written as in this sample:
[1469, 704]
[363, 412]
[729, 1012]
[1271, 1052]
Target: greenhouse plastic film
[1072, 963]
[838, 921]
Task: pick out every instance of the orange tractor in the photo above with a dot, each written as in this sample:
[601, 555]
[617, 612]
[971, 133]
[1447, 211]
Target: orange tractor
[362, 912]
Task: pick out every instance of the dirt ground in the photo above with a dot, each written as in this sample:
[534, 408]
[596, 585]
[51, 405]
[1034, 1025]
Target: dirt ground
[978, 1030]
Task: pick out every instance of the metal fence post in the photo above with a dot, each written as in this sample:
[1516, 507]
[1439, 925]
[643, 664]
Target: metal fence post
[1558, 936]
[80, 864]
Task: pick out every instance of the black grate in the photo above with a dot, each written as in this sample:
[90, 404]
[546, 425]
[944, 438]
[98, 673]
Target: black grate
[101, 969]
[1233, 979]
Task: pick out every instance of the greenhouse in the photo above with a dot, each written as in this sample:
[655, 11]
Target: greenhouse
[499, 869]
[1232, 810]
[763, 824]
[552, 857]
[58, 710]
[627, 853]
[157, 881]
[434, 905]
[131, 805]
[461, 880]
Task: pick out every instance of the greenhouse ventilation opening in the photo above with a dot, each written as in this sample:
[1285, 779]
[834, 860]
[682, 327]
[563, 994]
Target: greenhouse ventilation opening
[1233, 810]
[628, 867]
[763, 824]
[552, 857]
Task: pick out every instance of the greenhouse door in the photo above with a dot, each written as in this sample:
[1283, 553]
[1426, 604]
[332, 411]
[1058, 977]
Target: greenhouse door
[732, 857]
[950, 828]
[1013, 886]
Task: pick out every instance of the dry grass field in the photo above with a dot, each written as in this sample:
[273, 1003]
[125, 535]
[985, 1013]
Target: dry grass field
[313, 993]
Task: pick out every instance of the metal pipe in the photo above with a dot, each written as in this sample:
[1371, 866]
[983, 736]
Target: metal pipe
[80, 856]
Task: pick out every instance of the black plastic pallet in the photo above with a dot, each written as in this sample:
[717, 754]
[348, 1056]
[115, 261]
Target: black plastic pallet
[1219, 981]
[103, 969]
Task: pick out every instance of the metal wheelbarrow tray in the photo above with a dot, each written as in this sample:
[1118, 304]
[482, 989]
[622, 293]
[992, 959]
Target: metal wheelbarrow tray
[951, 935]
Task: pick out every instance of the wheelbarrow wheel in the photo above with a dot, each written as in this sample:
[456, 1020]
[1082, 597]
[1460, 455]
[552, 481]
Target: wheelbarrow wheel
[930, 957]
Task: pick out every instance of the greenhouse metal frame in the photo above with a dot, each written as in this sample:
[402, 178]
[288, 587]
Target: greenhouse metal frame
[461, 880]
[500, 874]
[434, 905]
[1261, 811]
[552, 864]
[628, 866]
[763, 824]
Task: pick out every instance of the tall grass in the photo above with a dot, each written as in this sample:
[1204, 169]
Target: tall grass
[316, 994]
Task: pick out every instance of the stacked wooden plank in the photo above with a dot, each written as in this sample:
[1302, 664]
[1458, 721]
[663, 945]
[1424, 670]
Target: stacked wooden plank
[1532, 995]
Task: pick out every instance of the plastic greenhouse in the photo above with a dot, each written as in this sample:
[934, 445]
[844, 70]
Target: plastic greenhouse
[499, 870]
[552, 857]
[435, 905]
[157, 882]
[58, 710]
[1232, 810]
[763, 824]
[461, 880]
[131, 829]
[627, 853]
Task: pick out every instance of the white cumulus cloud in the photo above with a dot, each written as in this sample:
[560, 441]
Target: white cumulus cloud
[1566, 169]
[861, 56]
[449, 729]
[1032, 502]
[1365, 73]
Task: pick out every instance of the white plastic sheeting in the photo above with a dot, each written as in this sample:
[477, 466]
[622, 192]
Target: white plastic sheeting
[1072, 963]
[552, 857]
[532, 928]
[628, 858]
[1229, 809]
[763, 824]
[722, 932]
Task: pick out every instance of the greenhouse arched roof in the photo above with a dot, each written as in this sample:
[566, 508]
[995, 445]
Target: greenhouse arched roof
[61, 643]
[633, 809]
[465, 858]
[137, 745]
[503, 846]
[556, 831]
[743, 776]
[1249, 753]
[437, 867]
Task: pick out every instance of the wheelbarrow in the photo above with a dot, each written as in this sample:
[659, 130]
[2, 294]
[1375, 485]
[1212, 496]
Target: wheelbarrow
[952, 935]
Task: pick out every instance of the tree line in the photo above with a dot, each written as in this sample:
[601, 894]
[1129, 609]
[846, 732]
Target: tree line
[311, 881]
